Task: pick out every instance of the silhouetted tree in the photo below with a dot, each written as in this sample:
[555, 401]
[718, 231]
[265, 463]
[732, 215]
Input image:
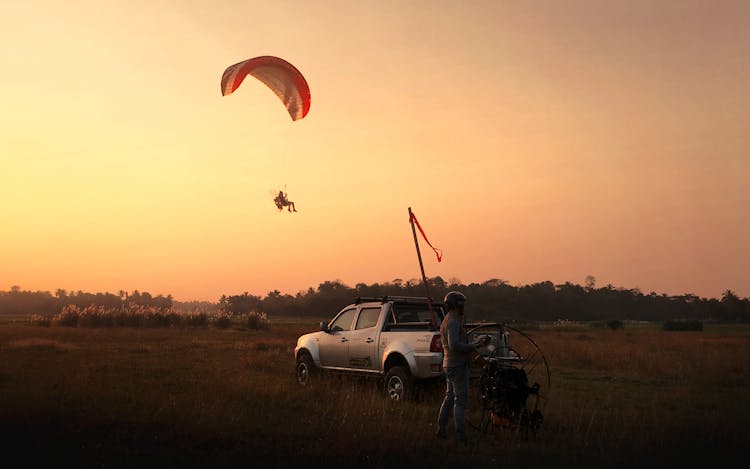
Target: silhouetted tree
[493, 300]
[240, 304]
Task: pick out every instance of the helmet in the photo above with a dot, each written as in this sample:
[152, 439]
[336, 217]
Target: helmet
[455, 300]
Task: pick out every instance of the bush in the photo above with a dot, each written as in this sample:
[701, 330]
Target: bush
[95, 316]
[156, 319]
[197, 319]
[222, 320]
[68, 317]
[614, 324]
[128, 319]
[256, 320]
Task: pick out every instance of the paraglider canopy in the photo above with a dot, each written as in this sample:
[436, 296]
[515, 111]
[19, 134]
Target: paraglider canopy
[282, 77]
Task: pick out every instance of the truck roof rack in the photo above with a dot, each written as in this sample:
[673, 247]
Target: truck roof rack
[384, 298]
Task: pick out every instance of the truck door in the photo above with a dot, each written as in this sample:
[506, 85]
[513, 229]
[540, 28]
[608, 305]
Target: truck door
[334, 345]
[363, 340]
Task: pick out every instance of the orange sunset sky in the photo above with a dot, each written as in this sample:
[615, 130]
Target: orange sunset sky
[544, 140]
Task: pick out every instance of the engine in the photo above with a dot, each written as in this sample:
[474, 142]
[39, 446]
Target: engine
[506, 394]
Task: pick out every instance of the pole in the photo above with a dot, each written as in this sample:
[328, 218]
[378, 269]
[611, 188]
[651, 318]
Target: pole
[421, 268]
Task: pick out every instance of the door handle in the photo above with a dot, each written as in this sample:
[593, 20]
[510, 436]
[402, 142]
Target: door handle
[344, 339]
[369, 340]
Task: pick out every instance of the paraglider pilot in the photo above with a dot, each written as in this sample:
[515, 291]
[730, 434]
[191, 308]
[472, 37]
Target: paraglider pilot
[281, 202]
[457, 351]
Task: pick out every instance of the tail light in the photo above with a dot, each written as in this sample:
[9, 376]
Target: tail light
[436, 345]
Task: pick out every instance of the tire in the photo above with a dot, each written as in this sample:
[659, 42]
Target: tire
[398, 384]
[304, 369]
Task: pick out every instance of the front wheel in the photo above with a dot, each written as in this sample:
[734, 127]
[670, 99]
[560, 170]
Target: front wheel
[398, 384]
[304, 369]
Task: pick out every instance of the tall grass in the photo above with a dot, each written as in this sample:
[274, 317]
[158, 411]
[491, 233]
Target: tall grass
[146, 316]
[226, 397]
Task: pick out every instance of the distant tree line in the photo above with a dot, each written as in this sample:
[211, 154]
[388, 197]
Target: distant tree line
[493, 300]
[17, 301]
[496, 300]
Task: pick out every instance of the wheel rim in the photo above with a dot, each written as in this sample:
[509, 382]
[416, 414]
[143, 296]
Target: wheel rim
[395, 388]
[302, 374]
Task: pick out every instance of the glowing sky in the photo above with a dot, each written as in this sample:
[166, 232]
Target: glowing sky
[534, 141]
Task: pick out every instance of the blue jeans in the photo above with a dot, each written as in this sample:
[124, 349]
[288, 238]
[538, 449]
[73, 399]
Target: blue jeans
[456, 396]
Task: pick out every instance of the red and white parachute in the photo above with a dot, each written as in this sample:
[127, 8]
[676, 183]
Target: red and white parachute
[282, 77]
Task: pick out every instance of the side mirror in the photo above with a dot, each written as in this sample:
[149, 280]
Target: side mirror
[324, 326]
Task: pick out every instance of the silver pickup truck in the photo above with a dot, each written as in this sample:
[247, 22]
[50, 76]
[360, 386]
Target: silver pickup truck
[393, 338]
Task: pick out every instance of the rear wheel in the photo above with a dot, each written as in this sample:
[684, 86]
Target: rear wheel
[398, 384]
[305, 369]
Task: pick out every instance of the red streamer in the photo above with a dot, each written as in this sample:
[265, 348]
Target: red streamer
[438, 252]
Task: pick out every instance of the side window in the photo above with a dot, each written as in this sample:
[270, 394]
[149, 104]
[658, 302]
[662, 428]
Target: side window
[344, 321]
[368, 317]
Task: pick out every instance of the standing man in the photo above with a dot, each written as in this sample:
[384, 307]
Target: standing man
[456, 355]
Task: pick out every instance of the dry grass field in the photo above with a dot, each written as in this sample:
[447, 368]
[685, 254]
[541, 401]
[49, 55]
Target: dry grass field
[206, 397]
